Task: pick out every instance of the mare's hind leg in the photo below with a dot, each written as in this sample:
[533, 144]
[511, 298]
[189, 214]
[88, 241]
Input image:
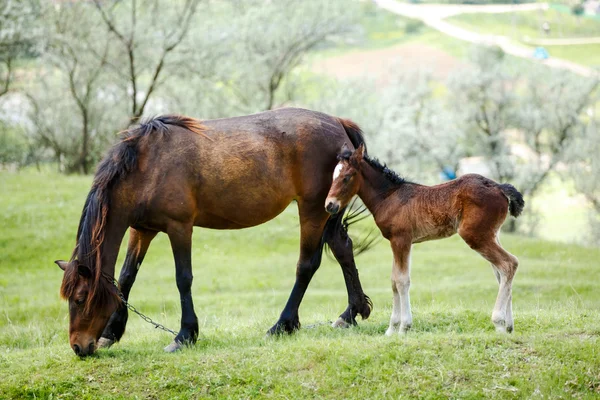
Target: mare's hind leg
[504, 265]
[312, 222]
[139, 240]
[180, 236]
[341, 246]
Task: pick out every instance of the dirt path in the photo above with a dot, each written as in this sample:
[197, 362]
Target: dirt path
[433, 15]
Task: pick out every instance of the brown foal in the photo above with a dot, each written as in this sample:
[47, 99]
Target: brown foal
[408, 213]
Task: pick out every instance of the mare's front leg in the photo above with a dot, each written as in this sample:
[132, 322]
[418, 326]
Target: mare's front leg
[341, 246]
[139, 241]
[312, 222]
[180, 236]
[401, 314]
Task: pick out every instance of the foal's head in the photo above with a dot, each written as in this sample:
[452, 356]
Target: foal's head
[91, 303]
[346, 179]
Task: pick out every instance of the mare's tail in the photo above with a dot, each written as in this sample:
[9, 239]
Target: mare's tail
[355, 134]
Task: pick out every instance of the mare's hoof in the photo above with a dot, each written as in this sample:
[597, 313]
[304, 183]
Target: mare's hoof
[280, 328]
[340, 323]
[173, 347]
[104, 343]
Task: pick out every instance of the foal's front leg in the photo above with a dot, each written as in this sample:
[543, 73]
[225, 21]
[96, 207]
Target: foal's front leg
[401, 313]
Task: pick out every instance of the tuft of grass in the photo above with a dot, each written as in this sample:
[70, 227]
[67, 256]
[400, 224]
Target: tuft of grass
[242, 280]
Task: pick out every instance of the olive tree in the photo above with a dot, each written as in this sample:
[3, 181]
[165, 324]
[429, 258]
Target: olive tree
[584, 169]
[18, 32]
[550, 115]
[71, 96]
[483, 98]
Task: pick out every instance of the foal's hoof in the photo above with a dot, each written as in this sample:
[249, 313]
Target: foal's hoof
[104, 343]
[340, 323]
[173, 347]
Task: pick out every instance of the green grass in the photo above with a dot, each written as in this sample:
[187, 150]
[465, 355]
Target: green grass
[585, 54]
[524, 24]
[525, 27]
[242, 280]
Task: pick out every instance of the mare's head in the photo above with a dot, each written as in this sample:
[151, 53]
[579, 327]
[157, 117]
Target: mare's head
[346, 179]
[92, 300]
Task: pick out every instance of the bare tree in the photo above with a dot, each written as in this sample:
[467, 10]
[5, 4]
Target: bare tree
[271, 38]
[147, 36]
[70, 67]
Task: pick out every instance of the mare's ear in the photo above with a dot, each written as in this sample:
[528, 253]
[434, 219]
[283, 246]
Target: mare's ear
[345, 152]
[357, 156]
[62, 264]
[84, 271]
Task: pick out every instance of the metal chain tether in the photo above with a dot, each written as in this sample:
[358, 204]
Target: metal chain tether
[132, 308]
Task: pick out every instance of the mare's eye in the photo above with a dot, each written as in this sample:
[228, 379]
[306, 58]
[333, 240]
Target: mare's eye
[347, 178]
[79, 301]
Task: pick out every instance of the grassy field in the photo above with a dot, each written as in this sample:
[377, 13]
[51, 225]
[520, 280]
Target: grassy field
[529, 24]
[525, 27]
[242, 280]
[585, 54]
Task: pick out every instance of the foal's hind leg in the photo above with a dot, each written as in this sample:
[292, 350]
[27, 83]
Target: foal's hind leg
[312, 222]
[139, 240]
[341, 246]
[505, 266]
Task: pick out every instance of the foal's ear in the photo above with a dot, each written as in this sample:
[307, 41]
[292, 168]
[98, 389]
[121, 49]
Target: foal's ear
[360, 152]
[357, 156]
[61, 264]
[84, 271]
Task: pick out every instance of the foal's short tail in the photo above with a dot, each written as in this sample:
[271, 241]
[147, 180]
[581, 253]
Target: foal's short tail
[515, 199]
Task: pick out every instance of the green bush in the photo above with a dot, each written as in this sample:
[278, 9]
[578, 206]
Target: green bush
[13, 146]
[413, 26]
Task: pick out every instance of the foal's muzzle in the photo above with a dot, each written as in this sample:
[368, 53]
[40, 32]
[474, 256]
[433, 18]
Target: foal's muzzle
[332, 206]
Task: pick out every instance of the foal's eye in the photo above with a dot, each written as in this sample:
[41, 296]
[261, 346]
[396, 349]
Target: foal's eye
[79, 301]
[347, 178]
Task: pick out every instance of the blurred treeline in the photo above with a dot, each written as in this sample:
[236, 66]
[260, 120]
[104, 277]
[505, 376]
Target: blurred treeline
[73, 73]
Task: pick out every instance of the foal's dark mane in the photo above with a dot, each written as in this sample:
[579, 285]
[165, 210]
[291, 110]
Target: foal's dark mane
[389, 174]
[119, 161]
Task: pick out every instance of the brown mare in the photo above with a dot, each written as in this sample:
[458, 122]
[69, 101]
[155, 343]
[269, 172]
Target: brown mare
[408, 213]
[172, 173]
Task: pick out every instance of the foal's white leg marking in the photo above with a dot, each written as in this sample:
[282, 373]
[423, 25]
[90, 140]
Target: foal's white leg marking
[403, 288]
[502, 316]
[395, 318]
[499, 314]
[401, 313]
